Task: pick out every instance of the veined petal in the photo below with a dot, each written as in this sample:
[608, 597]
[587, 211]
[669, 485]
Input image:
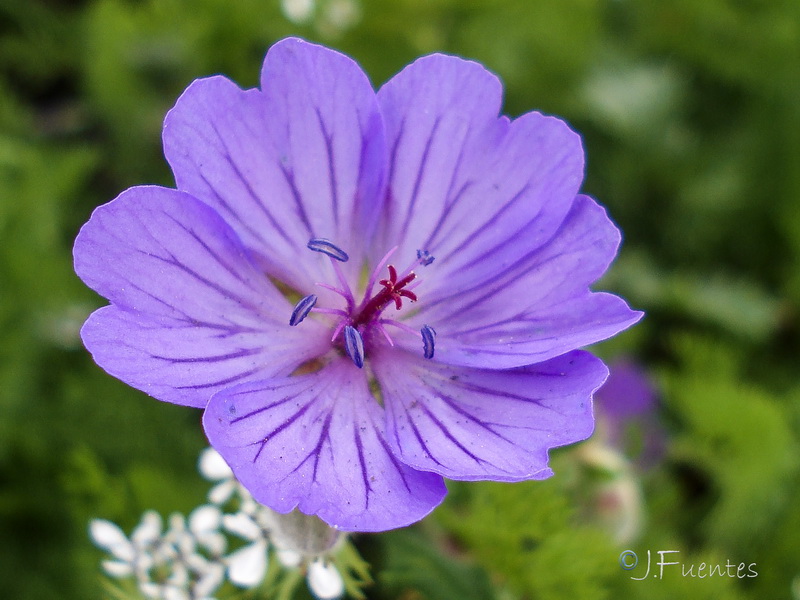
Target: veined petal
[316, 442]
[190, 311]
[463, 180]
[534, 306]
[537, 336]
[575, 257]
[470, 424]
[302, 158]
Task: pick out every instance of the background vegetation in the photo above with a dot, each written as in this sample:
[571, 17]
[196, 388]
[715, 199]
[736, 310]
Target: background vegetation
[690, 115]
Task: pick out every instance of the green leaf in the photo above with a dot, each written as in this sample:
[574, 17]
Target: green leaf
[414, 563]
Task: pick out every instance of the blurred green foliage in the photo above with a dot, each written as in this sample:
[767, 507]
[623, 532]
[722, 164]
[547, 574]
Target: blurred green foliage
[689, 111]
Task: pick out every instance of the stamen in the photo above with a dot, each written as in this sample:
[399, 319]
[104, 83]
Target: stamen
[428, 336]
[425, 258]
[351, 302]
[354, 345]
[302, 309]
[327, 247]
[330, 311]
[374, 276]
[336, 255]
[338, 329]
[399, 325]
[385, 333]
[342, 293]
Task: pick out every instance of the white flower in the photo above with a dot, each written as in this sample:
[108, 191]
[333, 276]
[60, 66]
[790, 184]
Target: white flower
[298, 11]
[324, 580]
[132, 556]
[214, 468]
[182, 563]
[204, 524]
[208, 583]
[110, 537]
[290, 559]
[248, 565]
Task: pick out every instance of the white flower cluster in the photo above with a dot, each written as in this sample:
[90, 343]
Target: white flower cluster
[329, 17]
[189, 560]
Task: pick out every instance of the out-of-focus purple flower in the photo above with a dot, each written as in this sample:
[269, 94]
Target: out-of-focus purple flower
[627, 413]
[367, 292]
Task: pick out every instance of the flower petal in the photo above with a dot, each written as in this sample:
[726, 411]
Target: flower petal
[148, 530]
[204, 519]
[243, 525]
[316, 442]
[117, 568]
[248, 565]
[109, 536]
[473, 424]
[190, 311]
[213, 467]
[324, 580]
[209, 581]
[534, 306]
[463, 180]
[290, 559]
[302, 158]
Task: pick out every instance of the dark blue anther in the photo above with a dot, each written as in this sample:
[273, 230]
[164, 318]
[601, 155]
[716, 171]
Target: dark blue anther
[302, 309]
[327, 247]
[354, 345]
[425, 257]
[428, 336]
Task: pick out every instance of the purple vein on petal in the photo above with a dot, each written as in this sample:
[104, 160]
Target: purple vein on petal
[250, 191]
[418, 435]
[364, 474]
[486, 284]
[298, 199]
[501, 393]
[390, 454]
[231, 213]
[210, 359]
[190, 321]
[453, 199]
[468, 240]
[331, 168]
[316, 452]
[261, 409]
[423, 163]
[172, 260]
[266, 439]
[453, 403]
[449, 435]
[226, 155]
[218, 288]
[393, 162]
[236, 377]
[235, 274]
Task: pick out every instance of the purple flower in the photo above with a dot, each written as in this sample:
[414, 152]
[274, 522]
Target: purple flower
[627, 409]
[366, 292]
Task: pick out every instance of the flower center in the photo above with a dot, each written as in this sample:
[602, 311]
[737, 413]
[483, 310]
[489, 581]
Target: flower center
[357, 322]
